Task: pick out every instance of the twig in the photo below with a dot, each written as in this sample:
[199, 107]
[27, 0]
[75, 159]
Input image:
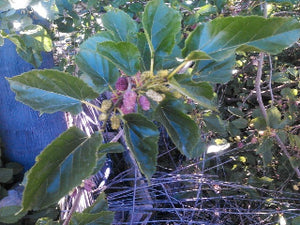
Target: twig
[270, 80]
[74, 206]
[134, 196]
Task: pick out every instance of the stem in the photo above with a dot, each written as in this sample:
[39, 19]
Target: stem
[92, 105]
[151, 52]
[176, 70]
[270, 81]
[76, 201]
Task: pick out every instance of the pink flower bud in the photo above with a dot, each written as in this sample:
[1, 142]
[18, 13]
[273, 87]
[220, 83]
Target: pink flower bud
[144, 102]
[121, 84]
[129, 102]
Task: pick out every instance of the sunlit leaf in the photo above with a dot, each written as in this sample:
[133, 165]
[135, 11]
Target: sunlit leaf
[221, 37]
[124, 55]
[61, 166]
[123, 27]
[161, 24]
[274, 117]
[201, 92]
[51, 91]
[181, 128]
[103, 218]
[196, 56]
[142, 137]
[99, 73]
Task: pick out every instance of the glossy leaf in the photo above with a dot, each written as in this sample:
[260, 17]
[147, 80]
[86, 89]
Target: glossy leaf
[161, 25]
[181, 128]
[142, 137]
[124, 55]
[51, 91]
[122, 26]
[99, 73]
[221, 37]
[103, 218]
[214, 71]
[61, 166]
[201, 92]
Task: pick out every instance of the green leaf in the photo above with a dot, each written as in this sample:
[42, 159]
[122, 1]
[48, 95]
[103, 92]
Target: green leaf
[201, 92]
[235, 111]
[215, 71]
[114, 147]
[265, 149]
[221, 37]
[274, 117]
[99, 205]
[124, 55]
[103, 218]
[181, 128]
[6, 175]
[144, 50]
[215, 123]
[51, 91]
[296, 220]
[61, 166]
[196, 56]
[240, 123]
[99, 72]
[9, 214]
[122, 26]
[161, 25]
[46, 221]
[295, 162]
[142, 137]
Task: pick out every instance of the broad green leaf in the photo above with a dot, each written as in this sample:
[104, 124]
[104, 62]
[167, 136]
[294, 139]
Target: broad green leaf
[196, 56]
[201, 92]
[296, 220]
[114, 147]
[61, 166]
[103, 218]
[161, 25]
[294, 140]
[8, 214]
[99, 205]
[295, 162]
[215, 123]
[198, 149]
[259, 123]
[240, 123]
[124, 55]
[221, 37]
[214, 71]
[142, 137]
[6, 175]
[99, 72]
[181, 128]
[274, 117]
[51, 91]
[164, 61]
[265, 149]
[144, 50]
[122, 26]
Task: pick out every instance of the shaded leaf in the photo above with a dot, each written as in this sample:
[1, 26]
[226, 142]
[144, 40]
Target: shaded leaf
[142, 137]
[235, 111]
[61, 166]
[46, 221]
[265, 149]
[51, 91]
[114, 147]
[8, 214]
[99, 72]
[120, 24]
[102, 218]
[6, 175]
[215, 123]
[214, 71]
[181, 128]
[240, 123]
[201, 92]
[274, 117]
[124, 55]
[161, 24]
[296, 220]
[221, 37]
